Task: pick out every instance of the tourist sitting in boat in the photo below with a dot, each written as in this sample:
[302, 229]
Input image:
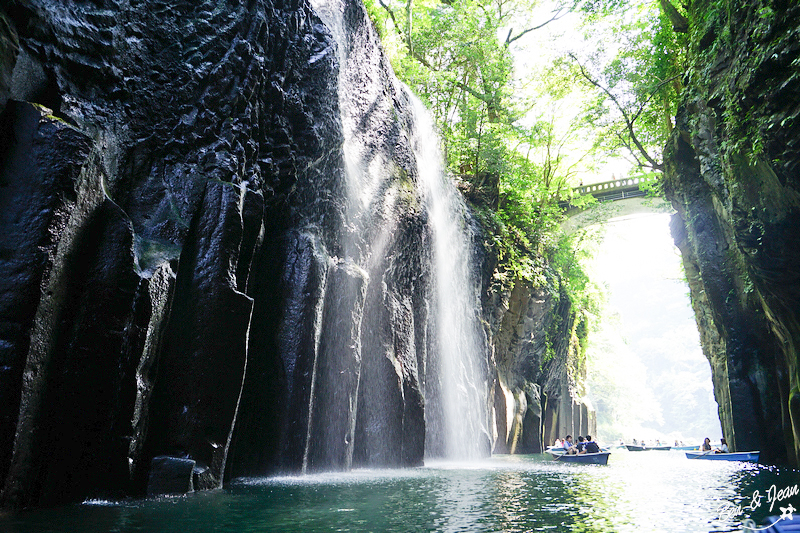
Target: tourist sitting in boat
[581, 445]
[567, 444]
[591, 446]
[723, 447]
[706, 446]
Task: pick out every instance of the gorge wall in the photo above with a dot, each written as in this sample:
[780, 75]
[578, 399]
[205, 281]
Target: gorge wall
[732, 168]
[535, 346]
[217, 257]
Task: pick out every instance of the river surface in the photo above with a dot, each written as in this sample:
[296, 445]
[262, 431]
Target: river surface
[646, 491]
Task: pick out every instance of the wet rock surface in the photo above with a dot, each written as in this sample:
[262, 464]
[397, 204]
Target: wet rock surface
[535, 400]
[182, 276]
[170, 475]
[193, 286]
[732, 177]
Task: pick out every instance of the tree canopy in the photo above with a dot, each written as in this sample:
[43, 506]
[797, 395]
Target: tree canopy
[520, 131]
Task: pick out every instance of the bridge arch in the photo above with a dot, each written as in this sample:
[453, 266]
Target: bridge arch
[616, 198]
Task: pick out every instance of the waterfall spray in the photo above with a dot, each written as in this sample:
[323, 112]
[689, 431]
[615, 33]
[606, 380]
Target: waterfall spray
[453, 374]
[456, 377]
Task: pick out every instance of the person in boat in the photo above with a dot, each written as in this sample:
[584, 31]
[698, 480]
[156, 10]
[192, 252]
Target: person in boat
[723, 447]
[567, 444]
[581, 445]
[591, 446]
[706, 446]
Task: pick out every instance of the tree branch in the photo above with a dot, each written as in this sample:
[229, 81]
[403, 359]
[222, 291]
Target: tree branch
[630, 149]
[408, 27]
[488, 97]
[629, 122]
[391, 16]
[559, 13]
[653, 93]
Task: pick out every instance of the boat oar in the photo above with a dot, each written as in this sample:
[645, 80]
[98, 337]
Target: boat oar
[702, 454]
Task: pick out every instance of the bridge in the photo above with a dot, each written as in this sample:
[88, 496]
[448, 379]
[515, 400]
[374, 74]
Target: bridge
[627, 197]
[609, 191]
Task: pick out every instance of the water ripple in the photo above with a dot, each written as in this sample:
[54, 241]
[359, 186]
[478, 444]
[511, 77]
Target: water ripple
[652, 491]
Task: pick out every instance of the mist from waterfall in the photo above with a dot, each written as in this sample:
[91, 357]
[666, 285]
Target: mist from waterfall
[449, 364]
[456, 381]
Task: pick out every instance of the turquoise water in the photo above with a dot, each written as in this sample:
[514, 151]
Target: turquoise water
[644, 491]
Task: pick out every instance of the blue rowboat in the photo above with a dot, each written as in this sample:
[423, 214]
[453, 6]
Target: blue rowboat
[751, 457]
[635, 448]
[778, 525]
[600, 458]
[555, 450]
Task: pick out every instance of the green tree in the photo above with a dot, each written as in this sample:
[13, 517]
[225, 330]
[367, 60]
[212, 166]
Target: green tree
[637, 90]
[458, 57]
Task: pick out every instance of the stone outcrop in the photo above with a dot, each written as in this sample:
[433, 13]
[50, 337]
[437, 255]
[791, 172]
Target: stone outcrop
[186, 274]
[536, 397]
[216, 256]
[732, 175]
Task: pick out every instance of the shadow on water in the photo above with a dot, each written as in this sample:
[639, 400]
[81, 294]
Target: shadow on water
[650, 491]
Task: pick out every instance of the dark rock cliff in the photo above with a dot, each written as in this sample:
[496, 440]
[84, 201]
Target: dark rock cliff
[535, 352]
[184, 276]
[536, 396]
[732, 175]
[216, 256]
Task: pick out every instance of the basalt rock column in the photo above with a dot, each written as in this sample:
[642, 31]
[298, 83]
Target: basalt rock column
[731, 174]
[146, 178]
[217, 248]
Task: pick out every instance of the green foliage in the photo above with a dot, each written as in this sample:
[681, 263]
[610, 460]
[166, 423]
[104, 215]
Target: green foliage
[456, 56]
[595, 9]
[756, 34]
[515, 140]
[585, 297]
[510, 247]
[653, 187]
[637, 90]
[572, 252]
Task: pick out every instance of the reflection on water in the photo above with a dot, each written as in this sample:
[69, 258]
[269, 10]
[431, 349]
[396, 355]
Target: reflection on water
[646, 491]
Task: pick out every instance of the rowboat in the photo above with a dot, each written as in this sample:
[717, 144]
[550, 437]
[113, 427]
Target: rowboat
[635, 448]
[778, 525]
[555, 450]
[751, 457]
[599, 458]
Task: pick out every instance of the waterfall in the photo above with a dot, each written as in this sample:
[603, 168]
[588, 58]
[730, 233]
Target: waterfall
[456, 385]
[395, 383]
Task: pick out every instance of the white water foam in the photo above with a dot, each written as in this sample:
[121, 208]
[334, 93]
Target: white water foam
[458, 370]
